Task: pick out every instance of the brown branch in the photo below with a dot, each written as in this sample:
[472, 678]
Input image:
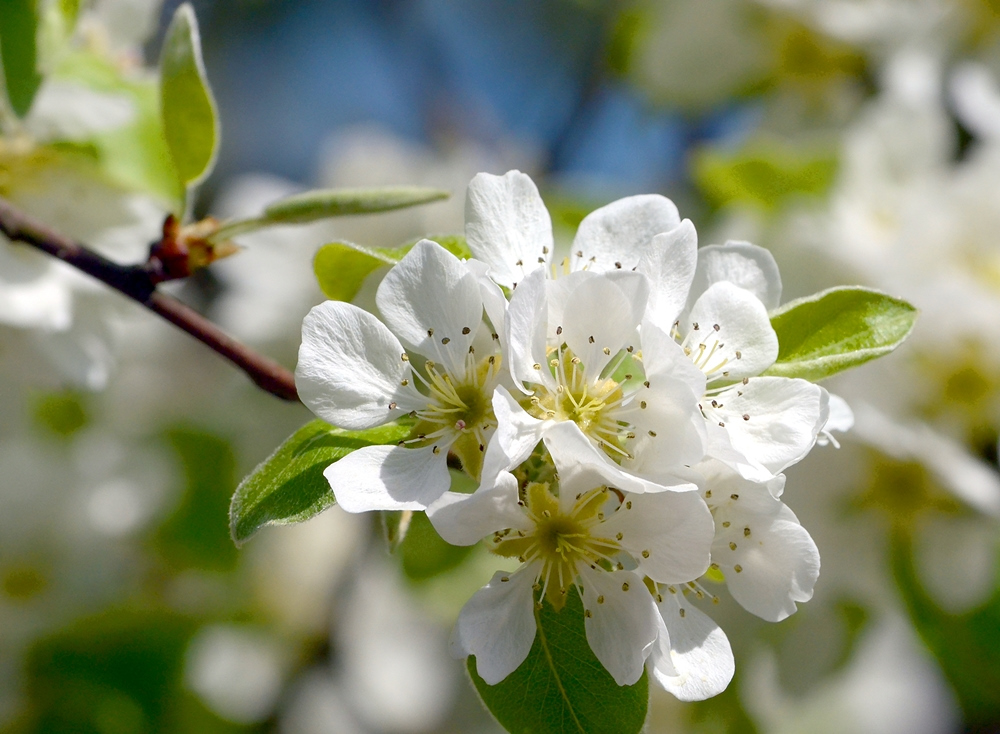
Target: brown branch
[139, 283]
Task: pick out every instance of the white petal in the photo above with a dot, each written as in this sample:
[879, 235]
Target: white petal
[516, 435]
[669, 263]
[745, 344]
[497, 624]
[841, 419]
[622, 628]
[506, 223]
[582, 466]
[669, 534]
[670, 432]
[748, 266]
[778, 561]
[616, 236]
[464, 519]
[699, 653]
[350, 368]
[432, 302]
[526, 325]
[663, 357]
[772, 421]
[601, 316]
[494, 300]
[389, 478]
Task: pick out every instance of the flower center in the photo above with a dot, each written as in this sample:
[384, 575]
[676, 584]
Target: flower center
[560, 540]
[459, 412]
[597, 407]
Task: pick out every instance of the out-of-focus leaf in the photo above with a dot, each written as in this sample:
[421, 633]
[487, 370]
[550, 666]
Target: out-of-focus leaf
[190, 121]
[764, 174]
[195, 535]
[838, 328]
[341, 267]
[289, 485]
[562, 686]
[967, 645]
[723, 714]
[422, 552]
[133, 156]
[19, 53]
[118, 673]
[61, 413]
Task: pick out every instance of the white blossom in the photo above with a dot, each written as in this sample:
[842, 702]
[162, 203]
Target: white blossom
[355, 372]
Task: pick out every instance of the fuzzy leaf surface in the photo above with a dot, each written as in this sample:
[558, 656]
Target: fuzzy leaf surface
[836, 329]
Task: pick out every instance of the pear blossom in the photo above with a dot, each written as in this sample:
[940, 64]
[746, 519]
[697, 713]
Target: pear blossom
[768, 561]
[757, 424]
[575, 353]
[581, 531]
[356, 372]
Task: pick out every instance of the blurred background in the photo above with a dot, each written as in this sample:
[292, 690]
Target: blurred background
[858, 140]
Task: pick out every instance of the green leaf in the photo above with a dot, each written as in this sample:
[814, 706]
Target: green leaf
[562, 688]
[19, 53]
[134, 156]
[966, 645]
[311, 206]
[289, 486]
[187, 108]
[194, 536]
[839, 328]
[765, 174]
[341, 267]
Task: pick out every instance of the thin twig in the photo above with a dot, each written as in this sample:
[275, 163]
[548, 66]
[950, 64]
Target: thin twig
[137, 282]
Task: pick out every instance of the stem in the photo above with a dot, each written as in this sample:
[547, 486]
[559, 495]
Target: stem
[136, 282]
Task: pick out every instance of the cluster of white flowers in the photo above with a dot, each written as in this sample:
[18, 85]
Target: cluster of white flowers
[612, 406]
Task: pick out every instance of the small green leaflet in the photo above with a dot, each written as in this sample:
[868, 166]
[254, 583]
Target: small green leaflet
[839, 328]
[289, 486]
[19, 53]
[317, 204]
[341, 267]
[187, 109]
[562, 688]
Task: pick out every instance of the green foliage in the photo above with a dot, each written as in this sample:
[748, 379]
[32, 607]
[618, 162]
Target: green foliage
[187, 108]
[838, 328]
[61, 414]
[341, 267]
[967, 645]
[194, 535]
[562, 688]
[424, 554]
[19, 53]
[765, 174]
[117, 673]
[289, 486]
[133, 156]
[317, 204]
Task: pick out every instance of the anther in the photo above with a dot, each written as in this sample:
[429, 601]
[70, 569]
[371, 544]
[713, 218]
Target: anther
[646, 383]
[732, 545]
[652, 434]
[392, 406]
[645, 554]
[586, 613]
[695, 326]
[590, 339]
[683, 612]
[746, 532]
[446, 340]
[726, 523]
[746, 416]
[619, 536]
[618, 266]
[625, 586]
[466, 330]
[504, 579]
[739, 355]
[715, 326]
[430, 332]
[404, 383]
[642, 404]
[600, 599]
[738, 568]
[606, 350]
[734, 496]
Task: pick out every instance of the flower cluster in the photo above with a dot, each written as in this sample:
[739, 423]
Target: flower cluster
[613, 406]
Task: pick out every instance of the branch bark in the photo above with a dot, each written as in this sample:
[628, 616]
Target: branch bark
[138, 283]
